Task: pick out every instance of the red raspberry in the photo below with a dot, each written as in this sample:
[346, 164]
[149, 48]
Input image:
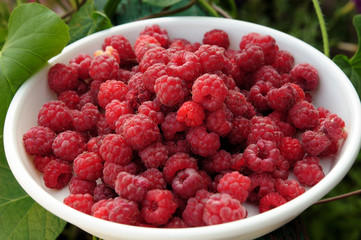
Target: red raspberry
[218, 162]
[111, 89]
[249, 59]
[140, 131]
[103, 67]
[203, 143]
[94, 144]
[177, 146]
[238, 162]
[283, 62]
[235, 184]
[80, 202]
[152, 73]
[153, 56]
[283, 98]
[169, 90]
[193, 213]
[41, 161]
[227, 79]
[289, 188]
[240, 131]
[57, 174]
[62, 77]
[155, 177]
[103, 127]
[280, 119]
[185, 65]
[308, 171]
[170, 127]
[303, 115]
[142, 44]
[261, 184]
[213, 58]
[179, 44]
[119, 124]
[235, 102]
[176, 222]
[68, 145]
[94, 90]
[187, 182]
[270, 201]
[333, 126]
[122, 45]
[291, 149]
[306, 76]
[116, 109]
[38, 140]
[177, 162]
[111, 171]
[264, 128]
[55, 115]
[216, 37]
[219, 121]
[267, 73]
[158, 206]
[103, 191]
[191, 113]
[131, 187]
[222, 208]
[87, 118]
[258, 95]
[152, 110]
[88, 166]
[158, 33]
[80, 186]
[154, 155]
[210, 91]
[137, 93]
[314, 143]
[82, 62]
[115, 149]
[70, 98]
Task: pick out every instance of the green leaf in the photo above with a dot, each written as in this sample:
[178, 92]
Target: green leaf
[161, 3]
[4, 18]
[87, 21]
[35, 34]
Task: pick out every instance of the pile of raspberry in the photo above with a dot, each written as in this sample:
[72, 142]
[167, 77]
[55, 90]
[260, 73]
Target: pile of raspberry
[169, 133]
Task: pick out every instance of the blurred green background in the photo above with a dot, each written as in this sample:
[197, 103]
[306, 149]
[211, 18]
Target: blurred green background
[339, 219]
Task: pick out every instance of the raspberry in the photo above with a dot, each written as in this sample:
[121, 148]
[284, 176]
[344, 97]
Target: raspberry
[103, 191]
[235, 102]
[140, 131]
[115, 149]
[193, 213]
[333, 126]
[109, 51]
[155, 177]
[187, 182]
[280, 119]
[291, 149]
[283, 98]
[111, 171]
[122, 45]
[152, 73]
[308, 171]
[178, 44]
[258, 95]
[87, 118]
[185, 65]
[240, 131]
[235, 184]
[264, 128]
[176, 222]
[191, 113]
[227, 79]
[103, 127]
[70, 98]
[80, 186]
[261, 184]
[158, 206]
[62, 78]
[303, 115]
[88, 166]
[55, 115]
[41, 161]
[177, 162]
[210, 91]
[94, 144]
[80, 202]
[57, 174]
[153, 56]
[203, 143]
[119, 124]
[267, 73]
[142, 44]
[249, 59]
[38, 140]
[170, 127]
[289, 188]
[103, 67]
[314, 143]
[177, 146]
[158, 33]
[216, 37]
[137, 93]
[219, 121]
[213, 58]
[82, 62]
[270, 201]
[111, 89]
[131, 187]
[222, 208]
[116, 109]
[169, 90]
[152, 110]
[306, 76]
[219, 162]
[68, 145]
[154, 155]
[283, 61]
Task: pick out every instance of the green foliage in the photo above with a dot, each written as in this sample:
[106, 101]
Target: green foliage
[161, 3]
[4, 17]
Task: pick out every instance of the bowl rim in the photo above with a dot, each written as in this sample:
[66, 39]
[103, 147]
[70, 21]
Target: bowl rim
[231, 229]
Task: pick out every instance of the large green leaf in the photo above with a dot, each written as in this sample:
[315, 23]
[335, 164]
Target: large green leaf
[35, 34]
[4, 17]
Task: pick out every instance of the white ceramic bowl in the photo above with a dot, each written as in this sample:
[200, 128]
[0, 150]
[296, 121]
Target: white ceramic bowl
[335, 92]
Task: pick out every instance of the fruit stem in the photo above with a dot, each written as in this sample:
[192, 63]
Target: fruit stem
[339, 197]
[321, 20]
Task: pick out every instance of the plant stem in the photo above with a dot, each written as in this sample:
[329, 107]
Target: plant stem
[221, 11]
[339, 197]
[321, 20]
[205, 4]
